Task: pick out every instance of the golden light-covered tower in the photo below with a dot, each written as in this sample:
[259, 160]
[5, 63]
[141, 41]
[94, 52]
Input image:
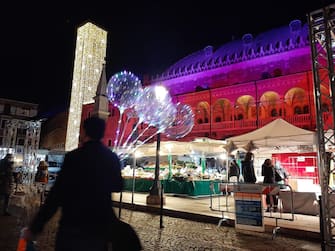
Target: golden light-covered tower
[90, 54]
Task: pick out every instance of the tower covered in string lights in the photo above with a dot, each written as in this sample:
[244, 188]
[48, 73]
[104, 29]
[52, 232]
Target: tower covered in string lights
[91, 45]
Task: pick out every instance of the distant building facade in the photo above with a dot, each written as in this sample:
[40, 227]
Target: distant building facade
[53, 132]
[20, 129]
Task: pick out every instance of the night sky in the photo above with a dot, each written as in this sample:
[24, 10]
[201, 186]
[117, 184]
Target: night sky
[144, 37]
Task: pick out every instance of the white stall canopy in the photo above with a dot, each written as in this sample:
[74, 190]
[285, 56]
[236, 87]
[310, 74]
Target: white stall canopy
[198, 146]
[277, 133]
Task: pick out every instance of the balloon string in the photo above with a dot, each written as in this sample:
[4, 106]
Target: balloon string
[131, 134]
[145, 141]
[122, 135]
[127, 149]
[118, 129]
[139, 136]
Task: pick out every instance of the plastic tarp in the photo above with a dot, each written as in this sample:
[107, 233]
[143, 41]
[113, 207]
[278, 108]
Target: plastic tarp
[277, 133]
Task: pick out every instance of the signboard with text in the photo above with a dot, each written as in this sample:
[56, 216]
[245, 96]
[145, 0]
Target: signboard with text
[249, 211]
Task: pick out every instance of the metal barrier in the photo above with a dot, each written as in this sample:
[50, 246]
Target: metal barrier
[225, 201]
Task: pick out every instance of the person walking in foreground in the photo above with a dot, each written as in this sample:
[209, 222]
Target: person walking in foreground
[6, 181]
[268, 171]
[82, 191]
[248, 170]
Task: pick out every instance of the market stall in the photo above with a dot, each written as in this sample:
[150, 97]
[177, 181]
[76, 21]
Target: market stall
[287, 145]
[186, 168]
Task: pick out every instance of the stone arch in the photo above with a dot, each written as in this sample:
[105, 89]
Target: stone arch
[269, 105]
[202, 112]
[221, 110]
[296, 101]
[245, 108]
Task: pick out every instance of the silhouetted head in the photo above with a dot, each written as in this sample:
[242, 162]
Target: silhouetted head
[249, 156]
[94, 128]
[268, 162]
[43, 165]
[9, 157]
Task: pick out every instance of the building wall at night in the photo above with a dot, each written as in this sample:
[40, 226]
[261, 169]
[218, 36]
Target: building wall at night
[19, 127]
[90, 53]
[53, 132]
[242, 85]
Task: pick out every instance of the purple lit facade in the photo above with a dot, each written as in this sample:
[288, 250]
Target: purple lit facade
[242, 85]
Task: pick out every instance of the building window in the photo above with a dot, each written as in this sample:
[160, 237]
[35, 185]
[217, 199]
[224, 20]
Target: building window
[306, 109]
[297, 110]
[274, 113]
[239, 117]
[21, 131]
[7, 109]
[20, 142]
[3, 123]
[218, 119]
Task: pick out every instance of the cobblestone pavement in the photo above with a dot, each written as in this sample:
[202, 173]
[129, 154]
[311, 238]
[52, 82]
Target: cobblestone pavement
[177, 234]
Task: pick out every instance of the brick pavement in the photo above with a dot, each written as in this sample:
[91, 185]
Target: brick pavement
[177, 234]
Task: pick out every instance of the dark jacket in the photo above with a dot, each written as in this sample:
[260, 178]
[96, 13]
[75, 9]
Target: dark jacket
[83, 190]
[6, 176]
[234, 170]
[268, 173]
[248, 171]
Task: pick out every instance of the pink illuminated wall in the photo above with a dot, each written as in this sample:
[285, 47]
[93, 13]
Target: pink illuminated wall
[299, 165]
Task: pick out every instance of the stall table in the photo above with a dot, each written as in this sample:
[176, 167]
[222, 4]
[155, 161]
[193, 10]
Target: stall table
[190, 188]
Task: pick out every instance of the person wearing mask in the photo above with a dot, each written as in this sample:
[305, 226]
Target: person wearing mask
[248, 170]
[268, 171]
[6, 181]
[82, 191]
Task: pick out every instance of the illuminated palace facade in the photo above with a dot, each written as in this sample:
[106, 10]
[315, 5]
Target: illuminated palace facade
[243, 85]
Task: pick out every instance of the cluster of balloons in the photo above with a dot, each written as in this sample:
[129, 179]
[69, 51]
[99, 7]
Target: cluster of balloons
[152, 105]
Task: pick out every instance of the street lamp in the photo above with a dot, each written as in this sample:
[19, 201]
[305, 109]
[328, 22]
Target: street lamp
[155, 192]
[155, 196]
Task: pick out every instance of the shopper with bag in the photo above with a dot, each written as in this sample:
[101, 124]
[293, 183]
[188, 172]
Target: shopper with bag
[82, 191]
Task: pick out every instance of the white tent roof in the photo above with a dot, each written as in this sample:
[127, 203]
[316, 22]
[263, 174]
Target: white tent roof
[198, 146]
[277, 133]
